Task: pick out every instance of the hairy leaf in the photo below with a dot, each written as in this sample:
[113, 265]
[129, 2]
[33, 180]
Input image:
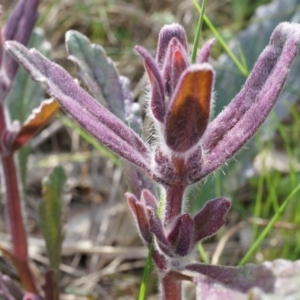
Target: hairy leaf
[165, 35]
[229, 81]
[210, 218]
[157, 102]
[51, 209]
[181, 235]
[238, 122]
[102, 124]
[19, 28]
[204, 54]
[278, 278]
[138, 210]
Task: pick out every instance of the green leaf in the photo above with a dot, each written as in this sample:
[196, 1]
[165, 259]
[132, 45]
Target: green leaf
[97, 72]
[51, 215]
[198, 32]
[147, 271]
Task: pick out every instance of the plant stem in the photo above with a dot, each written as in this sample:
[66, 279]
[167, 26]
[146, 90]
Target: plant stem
[173, 205]
[198, 32]
[14, 207]
[171, 288]
[14, 210]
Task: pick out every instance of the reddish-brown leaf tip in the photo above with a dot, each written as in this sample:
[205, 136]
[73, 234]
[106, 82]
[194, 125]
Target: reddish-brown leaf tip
[189, 110]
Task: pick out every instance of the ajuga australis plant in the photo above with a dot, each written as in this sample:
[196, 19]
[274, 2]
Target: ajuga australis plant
[189, 146]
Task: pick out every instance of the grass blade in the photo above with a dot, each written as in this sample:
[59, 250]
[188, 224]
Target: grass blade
[264, 233]
[146, 274]
[198, 32]
[240, 66]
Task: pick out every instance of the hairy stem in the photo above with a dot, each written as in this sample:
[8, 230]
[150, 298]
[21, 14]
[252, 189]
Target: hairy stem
[173, 206]
[171, 288]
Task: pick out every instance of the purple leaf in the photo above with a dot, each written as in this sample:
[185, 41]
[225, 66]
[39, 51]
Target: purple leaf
[158, 231]
[280, 278]
[176, 61]
[157, 102]
[19, 28]
[204, 53]
[138, 210]
[21, 22]
[165, 35]
[212, 290]
[233, 127]
[102, 124]
[148, 199]
[181, 235]
[210, 218]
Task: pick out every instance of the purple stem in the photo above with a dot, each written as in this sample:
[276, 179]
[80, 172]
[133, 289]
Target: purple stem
[173, 207]
[13, 202]
[170, 287]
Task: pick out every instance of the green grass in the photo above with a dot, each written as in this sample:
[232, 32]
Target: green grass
[275, 196]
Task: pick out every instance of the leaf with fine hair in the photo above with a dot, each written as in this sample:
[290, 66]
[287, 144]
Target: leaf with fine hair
[51, 210]
[210, 218]
[238, 122]
[19, 28]
[157, 102]
[278, 278]
[97, 71]
[204, 53]
[102, 124]
[139, 213]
